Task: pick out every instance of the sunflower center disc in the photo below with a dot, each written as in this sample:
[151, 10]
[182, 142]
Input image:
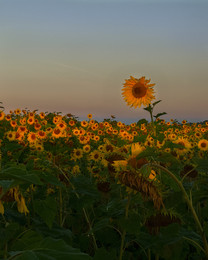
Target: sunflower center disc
[139, 90]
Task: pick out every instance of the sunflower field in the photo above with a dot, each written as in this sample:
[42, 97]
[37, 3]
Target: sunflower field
[72, 189]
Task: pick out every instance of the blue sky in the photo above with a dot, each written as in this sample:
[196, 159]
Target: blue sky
[74, 56]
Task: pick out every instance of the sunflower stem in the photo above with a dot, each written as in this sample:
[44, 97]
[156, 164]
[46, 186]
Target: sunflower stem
[152, 121]
[84, 210]
[150, 110]
[149, 254]
[157, 257]
[189, 203]
[60, 207]
[122, 248]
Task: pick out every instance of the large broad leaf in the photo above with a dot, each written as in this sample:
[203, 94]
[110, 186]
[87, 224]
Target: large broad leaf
[115, 208]
[46, 177]
[104, 222]
[33, 246]
[12, 146]
[85, 192]
[202, 165]
[6, 185]
[131, 224]
[22, 154]
[8, 232]
[20, 174]
[148, 152]
[24, 255]
[56, 231]
[170, 242]
[103, 254]
[109, 237]
[29, 240]
[167, 158]
[85, 186]
[46, 209]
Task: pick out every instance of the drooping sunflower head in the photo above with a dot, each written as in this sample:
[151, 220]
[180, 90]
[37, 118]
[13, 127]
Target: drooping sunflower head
[137, 92]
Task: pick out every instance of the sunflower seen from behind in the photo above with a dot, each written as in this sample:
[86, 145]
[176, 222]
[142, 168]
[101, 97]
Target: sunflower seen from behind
[137, 92]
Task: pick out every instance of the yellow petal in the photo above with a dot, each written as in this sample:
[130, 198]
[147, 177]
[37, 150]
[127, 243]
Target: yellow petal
[120, 164]
[136, 149]
[1, 208]
[152, 175]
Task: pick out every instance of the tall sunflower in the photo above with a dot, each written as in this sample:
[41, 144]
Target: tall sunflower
[137, 92]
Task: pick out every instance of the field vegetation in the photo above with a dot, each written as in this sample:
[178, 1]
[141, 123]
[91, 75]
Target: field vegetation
[72, 189]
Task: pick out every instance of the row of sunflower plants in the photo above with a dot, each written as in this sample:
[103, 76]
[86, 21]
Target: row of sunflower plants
[72, 189]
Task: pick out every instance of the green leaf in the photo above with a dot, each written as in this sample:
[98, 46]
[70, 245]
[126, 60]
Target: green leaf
[54, 232]
[20, 174]
[145, 170]
[202, 164]
[148, 152]
[160, 114]
[23, 154]
[30, 239]
[103, 254]
[46, 209]
[6, 184]
[8, 232]
[142, 121]
[32, 245]
[100, 224]
[149, 108]
[131, 224]
[24, 255]
[48, 178]
[155, 103]
[85, 187]
[168, 158]
[30, 165]
[115, 207]
[109, 237]
[12, 146]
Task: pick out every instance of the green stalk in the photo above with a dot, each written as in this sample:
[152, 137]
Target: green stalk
[60, 208]
[149, 254]
[5, 250]
[188, 201]
[0, 160]
[157, 257]
[32, 201]
[122, 245]
[152, 121]
[90, 227]
[122, 248]
[195, 243]
[84, 210]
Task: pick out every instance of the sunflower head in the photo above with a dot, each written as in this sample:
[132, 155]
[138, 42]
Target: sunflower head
[137, 92]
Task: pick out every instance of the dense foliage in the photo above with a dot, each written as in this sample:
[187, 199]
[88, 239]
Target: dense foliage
[72, 189]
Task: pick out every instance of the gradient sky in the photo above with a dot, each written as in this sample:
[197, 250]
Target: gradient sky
[74, 56]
